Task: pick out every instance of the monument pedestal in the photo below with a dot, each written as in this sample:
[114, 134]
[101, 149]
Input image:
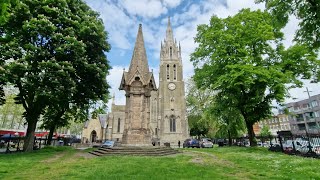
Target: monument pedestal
[136, 137]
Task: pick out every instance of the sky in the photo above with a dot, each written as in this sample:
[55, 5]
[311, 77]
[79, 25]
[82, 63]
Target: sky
[122, 18]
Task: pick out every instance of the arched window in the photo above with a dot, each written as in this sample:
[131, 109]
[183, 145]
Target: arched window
[168, 72]
[172, 124]
[170, 52]
[156, 131]
[118, 125]
[174, 72]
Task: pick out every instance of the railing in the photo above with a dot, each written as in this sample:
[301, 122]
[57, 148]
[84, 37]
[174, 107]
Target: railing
[307, 145]
[12, 143]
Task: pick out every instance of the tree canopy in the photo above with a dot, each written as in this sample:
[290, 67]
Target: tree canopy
[307, 11]
[53, 49]
[243, 59]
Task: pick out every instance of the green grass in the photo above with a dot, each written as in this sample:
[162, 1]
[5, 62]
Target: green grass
[215, 163]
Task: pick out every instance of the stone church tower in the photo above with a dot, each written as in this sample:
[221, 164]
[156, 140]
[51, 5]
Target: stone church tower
[138, 83]
[172, 105]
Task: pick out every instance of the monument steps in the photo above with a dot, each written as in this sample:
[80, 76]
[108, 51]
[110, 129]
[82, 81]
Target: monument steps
[135, 151]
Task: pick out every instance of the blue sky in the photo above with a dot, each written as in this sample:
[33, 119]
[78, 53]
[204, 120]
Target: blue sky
[122, 18]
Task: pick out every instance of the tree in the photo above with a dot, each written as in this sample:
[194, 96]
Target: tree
[198, 100]
[243, 59]
[307, 11]
[53, 48]
[230, 122]
[265, 133]
[11, 114]
[58, 116]
[99, 110]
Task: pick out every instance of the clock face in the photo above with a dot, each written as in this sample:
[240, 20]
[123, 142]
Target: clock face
[171, 86]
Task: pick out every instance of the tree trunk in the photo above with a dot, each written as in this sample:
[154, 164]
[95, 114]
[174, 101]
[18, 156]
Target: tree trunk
[29, 139]
[251, 134]
[230, 139]
[52, 129]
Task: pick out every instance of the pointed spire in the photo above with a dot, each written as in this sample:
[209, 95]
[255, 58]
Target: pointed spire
[139, 57]
[169, 34]
[113, 97]
[179, 49]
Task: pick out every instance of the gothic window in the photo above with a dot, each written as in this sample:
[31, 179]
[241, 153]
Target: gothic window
[174, 72]
[170, 52]
[118, 130]
[168, 72]
[172, 124]
[156, 131]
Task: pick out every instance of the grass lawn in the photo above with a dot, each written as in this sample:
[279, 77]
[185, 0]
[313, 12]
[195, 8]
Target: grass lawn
[215, 163]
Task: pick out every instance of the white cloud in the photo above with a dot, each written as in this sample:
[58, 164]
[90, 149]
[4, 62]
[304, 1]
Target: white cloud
[114, 80]
[116, 22]
[144, 8]
[171, 3]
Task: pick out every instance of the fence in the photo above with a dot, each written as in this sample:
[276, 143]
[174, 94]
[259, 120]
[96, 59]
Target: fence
[12, 143]
[307, 145]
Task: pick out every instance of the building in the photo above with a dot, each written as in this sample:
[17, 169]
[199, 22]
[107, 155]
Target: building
[276, 123]
[95, 129]
[304, 116]
[151, 114]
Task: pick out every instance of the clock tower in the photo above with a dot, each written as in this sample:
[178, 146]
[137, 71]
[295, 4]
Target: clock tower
[172, 121]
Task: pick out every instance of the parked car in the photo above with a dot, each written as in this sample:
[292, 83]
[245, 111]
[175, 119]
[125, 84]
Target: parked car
[206, 143]
[108, 144]
[275, 147]
[191, 143]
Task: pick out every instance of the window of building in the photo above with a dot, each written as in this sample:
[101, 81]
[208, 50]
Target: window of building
[118, 125]
[172, 124]
[170, 52]
[156, 131]
[314, 103]
[168, 72]
[174, 72]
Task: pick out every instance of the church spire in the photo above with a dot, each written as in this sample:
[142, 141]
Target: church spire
[169, 34]
[139, 57]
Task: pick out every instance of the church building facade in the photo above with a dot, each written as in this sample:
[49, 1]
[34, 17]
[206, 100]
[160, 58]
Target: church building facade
[151, 115]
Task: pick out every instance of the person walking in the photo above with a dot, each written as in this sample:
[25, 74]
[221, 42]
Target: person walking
[179, 143]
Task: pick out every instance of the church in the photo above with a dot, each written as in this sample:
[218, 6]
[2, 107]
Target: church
[152, 115]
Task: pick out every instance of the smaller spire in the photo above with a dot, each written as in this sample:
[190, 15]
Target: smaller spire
[179, 49]
[113, 98]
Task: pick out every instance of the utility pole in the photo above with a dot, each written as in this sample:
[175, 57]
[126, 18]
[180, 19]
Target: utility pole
[308, 92]
[309, 100]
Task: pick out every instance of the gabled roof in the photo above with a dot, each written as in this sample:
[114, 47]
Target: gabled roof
[103, 120]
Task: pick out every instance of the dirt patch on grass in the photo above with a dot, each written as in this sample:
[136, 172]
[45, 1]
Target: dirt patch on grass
[54, 158]
[207, 158]
[197, 160]
[85, 155]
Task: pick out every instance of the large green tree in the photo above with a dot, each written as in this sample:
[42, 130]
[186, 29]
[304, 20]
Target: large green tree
[307, 11]
[242, 58]
[53, 48]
